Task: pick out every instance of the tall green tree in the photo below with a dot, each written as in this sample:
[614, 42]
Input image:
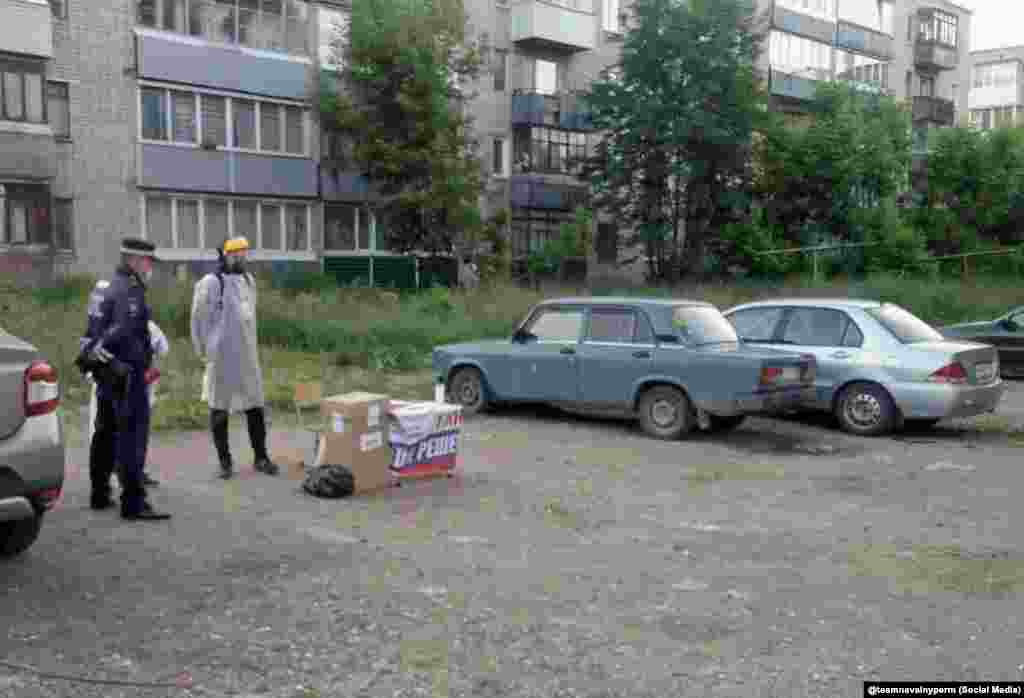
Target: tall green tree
[409, 68]
[978, 178]
[677, 114]
[852, 152]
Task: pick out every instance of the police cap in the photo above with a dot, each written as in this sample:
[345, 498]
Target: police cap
[138, 247]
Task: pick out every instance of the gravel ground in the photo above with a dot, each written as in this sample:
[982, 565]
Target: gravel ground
[570, 557]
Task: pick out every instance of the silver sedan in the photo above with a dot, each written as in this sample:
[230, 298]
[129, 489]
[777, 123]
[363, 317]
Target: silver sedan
[878, 364]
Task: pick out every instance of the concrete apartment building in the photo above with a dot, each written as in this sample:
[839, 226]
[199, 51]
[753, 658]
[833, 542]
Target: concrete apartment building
[996, 97]
[186, 121]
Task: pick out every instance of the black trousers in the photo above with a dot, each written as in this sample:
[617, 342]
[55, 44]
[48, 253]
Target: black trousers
[256, 423]
[121, 436]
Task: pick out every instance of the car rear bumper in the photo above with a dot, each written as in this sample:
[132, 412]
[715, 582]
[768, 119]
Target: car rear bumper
[764, 402]
[940, 401]
[35, 454]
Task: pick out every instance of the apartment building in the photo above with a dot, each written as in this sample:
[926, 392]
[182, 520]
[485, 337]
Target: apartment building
[996, 97]
[187, 121]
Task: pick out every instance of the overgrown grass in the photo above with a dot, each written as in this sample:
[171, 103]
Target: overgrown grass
[352, 338]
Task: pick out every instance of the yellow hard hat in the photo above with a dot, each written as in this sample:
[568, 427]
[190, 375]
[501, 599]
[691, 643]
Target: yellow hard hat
[236, 245]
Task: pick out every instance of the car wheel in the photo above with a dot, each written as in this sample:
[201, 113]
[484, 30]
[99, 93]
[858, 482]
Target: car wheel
[665, 413]
[466, 388]
[720, 423]
[18, 536]
[865, 409]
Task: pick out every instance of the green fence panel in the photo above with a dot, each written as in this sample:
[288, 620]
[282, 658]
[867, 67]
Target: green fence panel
[394, 272]
[348, 270]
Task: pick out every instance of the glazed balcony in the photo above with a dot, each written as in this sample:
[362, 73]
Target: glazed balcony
[863, 40]
[27, 27]
[560, 110]
[563, 25]
[935, 110]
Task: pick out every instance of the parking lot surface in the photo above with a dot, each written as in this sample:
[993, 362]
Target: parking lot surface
[570, 557]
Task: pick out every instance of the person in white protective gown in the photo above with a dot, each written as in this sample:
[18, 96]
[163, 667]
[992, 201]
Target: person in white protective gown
[224, 337]
[160, 348]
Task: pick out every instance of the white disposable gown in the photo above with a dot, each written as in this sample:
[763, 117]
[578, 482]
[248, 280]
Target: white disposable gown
[224, 336]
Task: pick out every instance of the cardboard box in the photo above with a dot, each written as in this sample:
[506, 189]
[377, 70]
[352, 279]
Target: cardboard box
[355, 434]
[424, 438]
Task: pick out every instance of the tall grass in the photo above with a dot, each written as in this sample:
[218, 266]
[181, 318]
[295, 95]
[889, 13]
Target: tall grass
[361, 338]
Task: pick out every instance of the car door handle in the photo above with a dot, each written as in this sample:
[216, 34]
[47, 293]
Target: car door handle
[839, 355]
[642, 354]
[566, 350]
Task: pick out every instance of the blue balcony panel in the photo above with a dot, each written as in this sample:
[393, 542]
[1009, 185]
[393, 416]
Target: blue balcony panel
[531, 191]
[235, 68]
[792, 86]
[194, 169]
[345, 186]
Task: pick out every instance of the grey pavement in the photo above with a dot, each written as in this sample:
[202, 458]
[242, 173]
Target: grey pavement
[569, 557]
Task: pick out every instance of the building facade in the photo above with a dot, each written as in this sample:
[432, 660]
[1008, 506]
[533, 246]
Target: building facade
[188, 121]
[996, 97]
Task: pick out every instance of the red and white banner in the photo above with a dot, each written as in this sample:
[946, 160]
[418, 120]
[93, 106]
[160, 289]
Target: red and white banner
[424, 438]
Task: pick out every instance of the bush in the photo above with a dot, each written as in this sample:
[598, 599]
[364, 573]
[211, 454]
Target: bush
[746, 240]
[896, 246]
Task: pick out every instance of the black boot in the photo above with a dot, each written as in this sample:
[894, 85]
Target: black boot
[258, 438]
[219, 429]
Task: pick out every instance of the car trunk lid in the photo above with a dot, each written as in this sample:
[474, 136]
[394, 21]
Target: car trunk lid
[779, 370]
[15, 357]
[979, 361]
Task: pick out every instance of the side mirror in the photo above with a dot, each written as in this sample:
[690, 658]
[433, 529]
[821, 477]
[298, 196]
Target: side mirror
[1010, 324]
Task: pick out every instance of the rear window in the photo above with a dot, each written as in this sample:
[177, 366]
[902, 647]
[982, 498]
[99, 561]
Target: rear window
[903, 325]
[698, 324]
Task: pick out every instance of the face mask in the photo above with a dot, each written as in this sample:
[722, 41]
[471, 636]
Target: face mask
[147, 276]
[237, 265]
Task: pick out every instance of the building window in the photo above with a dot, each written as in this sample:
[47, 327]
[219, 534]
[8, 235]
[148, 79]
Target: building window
[801, 57]
[172, 115]
[337, 148]
[352, 228]
[941, 27]
[333, 27]
[276, 25]
[824, 9]
[188, 222]
[500, 69]
[64, 224]
[26, 216]
[861, 69]
[59, 9]
[498, 157]
[58, 109]
[541, 149]
[612, 10]
[545, 77]
[21, 92]
[532, 230]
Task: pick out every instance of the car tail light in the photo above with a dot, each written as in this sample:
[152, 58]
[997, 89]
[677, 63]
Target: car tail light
[42, 391]
[48, 498]
[950, 373]
[770, 374]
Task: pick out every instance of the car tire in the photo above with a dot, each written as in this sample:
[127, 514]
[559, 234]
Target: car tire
[18, 536]
[865, 409]
[665, 413]
[723, 423]
[467, 389]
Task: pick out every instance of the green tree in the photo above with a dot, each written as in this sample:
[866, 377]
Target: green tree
[978, 176]
[852, 152]
[408, 68]
[677, 114]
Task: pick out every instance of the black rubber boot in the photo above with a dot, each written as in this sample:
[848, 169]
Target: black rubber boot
[219, 429]
[258, 438]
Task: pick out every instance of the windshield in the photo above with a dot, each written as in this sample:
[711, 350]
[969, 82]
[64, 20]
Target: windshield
[905, 326]
[698, 324]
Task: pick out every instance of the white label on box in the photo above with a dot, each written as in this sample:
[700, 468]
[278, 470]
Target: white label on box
[339, 424]
[368, 442]
[373, 419]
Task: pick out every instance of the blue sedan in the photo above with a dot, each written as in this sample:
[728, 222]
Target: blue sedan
[672, 364]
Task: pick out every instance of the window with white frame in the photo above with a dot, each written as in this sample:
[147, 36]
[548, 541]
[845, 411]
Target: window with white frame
[200, 118]
[274, 25]
[333, 27]
[612, 11]
[353, 228]
[190, 222]
[798, 56]
[545, 77]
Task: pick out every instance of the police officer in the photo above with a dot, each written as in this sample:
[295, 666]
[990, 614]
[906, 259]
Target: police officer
[117, 350]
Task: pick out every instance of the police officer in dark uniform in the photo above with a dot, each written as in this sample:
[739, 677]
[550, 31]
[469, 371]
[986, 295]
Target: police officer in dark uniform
[117, 350]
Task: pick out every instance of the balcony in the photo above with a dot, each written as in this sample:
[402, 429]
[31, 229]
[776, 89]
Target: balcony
[792, 86]
[536, 192]
[563, 110]
[804, 25]
[934, 109]
[197, 169]
[933, 55]
[27, 27]
[29, 152]
[567, 25]
[863, 40]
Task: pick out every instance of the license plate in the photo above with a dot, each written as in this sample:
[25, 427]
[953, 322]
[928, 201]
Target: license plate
[791, 373]
[984, 372]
